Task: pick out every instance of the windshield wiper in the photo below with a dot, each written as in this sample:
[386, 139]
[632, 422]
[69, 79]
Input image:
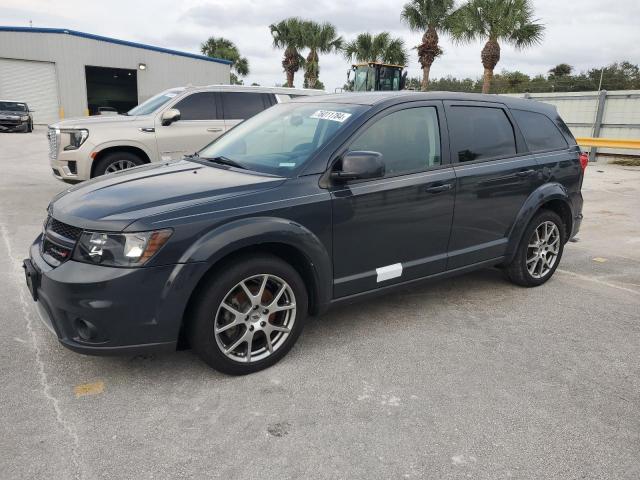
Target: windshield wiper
[192, 155]
[225, 161]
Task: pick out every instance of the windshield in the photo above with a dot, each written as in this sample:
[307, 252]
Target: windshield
[13, 107]
[280, 140]
[151, 105]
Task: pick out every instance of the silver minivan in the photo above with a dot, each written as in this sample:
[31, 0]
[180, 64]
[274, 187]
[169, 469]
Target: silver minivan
[174, 123]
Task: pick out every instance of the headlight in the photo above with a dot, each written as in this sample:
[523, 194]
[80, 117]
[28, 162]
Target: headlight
[76, 138]
[24, 118]
[119, 249]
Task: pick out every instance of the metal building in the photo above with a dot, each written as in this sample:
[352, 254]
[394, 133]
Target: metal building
[64, 73]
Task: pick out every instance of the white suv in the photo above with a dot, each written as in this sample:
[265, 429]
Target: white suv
[174, 123]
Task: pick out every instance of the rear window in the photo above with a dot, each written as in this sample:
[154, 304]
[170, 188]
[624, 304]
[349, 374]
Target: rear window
[539, 131]
[480, 133]
[243, 105]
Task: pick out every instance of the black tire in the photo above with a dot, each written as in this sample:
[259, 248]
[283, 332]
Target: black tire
[517, 270]
[202, 315]
[114, 158]
[29, 128]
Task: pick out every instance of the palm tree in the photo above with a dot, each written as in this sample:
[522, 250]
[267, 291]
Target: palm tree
[431, 17]
[227, 50]
[287, 34]
[318, 38]
[509, 21]
[561, 70]
[376, 48]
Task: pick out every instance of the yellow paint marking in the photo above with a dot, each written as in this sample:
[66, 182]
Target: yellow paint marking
[85, 389]
[599, 259]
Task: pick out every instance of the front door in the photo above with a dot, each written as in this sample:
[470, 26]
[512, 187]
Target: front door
[495, 176]
[393, 229]
[200, 123]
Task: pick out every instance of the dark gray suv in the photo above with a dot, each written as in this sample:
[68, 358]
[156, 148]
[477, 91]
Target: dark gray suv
[305, 205]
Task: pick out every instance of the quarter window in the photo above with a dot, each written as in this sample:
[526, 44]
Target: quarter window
[409, 140]
[198, 106]
[242, 105]
[539, 131]
[480, 133]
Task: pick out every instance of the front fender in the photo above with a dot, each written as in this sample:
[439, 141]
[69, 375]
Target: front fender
[540, 196]
[99, 147]
[254, 231]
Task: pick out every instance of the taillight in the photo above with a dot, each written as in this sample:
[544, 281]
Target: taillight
[584, 160]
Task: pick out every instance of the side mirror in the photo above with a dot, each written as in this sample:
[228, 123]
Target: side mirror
[169, 116]
[359, 166]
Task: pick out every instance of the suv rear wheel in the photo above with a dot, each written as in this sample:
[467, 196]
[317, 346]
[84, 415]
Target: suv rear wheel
[540, 250]
[248, 315]
[116, 161]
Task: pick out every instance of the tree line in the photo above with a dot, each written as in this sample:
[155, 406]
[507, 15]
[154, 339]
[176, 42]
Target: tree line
[622, 75]
[495, 22]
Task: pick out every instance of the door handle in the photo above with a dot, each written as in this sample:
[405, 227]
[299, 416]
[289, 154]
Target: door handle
[147, 129]
[214, 129]
[525, 173]
[439, 188]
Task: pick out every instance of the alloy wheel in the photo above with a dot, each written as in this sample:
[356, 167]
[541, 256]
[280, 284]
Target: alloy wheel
[543, 249]
[255, 318]
[119, 165]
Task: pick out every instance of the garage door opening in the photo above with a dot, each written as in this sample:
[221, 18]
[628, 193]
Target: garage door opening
[111, 89]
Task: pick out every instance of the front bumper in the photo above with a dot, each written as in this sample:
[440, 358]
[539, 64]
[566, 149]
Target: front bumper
[99, 310]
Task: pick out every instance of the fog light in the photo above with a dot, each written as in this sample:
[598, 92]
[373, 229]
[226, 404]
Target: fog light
[73, 167]
[86, 330]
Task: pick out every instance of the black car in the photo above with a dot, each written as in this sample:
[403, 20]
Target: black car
[308, 204]
[15, 117]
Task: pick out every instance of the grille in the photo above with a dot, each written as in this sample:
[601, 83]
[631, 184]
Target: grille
[59, 247]
[53, 143]
[9, 121]
[64, 230]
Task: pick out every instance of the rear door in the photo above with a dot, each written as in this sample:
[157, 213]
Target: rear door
[495, 175]
[239, 106]
[393, 229]
[200, 123]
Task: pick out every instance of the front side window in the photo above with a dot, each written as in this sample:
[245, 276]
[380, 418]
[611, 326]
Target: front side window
[282, 139]
[242, 105]
[154, 103]
[480, 133]
[539, 131]
[198, 106]
[409, 140]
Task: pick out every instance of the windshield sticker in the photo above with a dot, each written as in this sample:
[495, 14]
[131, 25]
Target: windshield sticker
[331, 115]
[286, 164]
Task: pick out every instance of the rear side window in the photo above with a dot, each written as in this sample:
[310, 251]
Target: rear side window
[198, 106]
[480, 133]
[243, 105]
[539, 131]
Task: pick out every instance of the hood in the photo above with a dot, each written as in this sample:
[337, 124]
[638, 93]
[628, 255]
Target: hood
[112, 202]
[10, 113]
[96, 120]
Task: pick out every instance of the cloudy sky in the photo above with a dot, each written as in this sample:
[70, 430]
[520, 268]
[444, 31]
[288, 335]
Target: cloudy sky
[583, 33]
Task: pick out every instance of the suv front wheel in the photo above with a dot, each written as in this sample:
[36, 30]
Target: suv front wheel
[248, 315]
[540, 250]
[116, 161]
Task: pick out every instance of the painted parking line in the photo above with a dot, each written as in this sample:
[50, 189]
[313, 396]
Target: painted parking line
[86, 389]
